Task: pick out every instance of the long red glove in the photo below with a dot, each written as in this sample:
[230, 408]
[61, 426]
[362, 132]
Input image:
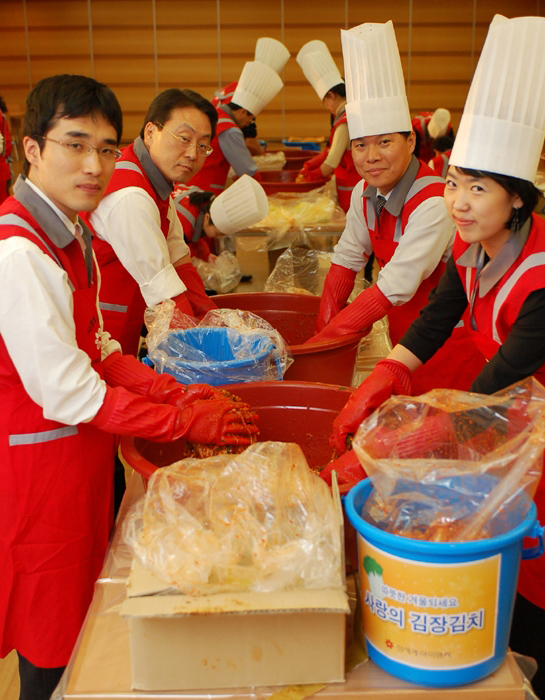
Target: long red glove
[183, 305]
[312, 175]
[315, 162]
[435, 438]
[338, 285]
[348, 468]
[389, 377]
[367, 307]
[211, 422]
[128, 372]
[196, 294]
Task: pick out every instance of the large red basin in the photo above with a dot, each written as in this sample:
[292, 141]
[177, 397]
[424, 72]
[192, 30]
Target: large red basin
[274, 181]
[294, 316]
[300, 412]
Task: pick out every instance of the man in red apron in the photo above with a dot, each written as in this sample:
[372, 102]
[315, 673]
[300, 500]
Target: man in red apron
[139, 244]
[66, 389]
[397, 211]
[256, 87]
[429, 126]
[322, 73]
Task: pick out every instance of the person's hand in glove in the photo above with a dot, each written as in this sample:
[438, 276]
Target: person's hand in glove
[312, 175]
[368, 307]
[128, 372]
[196, 294]
[338, 286]
[183, 305]
[388, 378]
[348, 468]
[435, 438]
[314, 162]
[220, 423]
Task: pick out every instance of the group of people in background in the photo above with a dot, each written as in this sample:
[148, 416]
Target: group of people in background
[92, 236]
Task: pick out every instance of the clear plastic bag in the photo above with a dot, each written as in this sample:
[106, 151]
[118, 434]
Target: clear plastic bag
[258, 521]
[273, 160]
[226, 347]
[221, 273]
[452, 465]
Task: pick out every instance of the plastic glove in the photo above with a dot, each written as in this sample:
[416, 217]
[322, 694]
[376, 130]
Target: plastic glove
[312, 175]
[128, 372]
[315, 162]
[338, 285]
[348, 468]
[368, 307]
[389, 377]
[196, 294]
[220, 423]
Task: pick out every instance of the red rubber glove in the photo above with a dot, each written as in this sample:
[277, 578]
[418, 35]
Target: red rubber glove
[435, 438]
[183, 305]
[128, 372]
[312, 175]
[367, 307]
[348, 468]
[315, 162]
[257, 176]
[196, 294]
[389, 377]
[220, 423]
[338, 285]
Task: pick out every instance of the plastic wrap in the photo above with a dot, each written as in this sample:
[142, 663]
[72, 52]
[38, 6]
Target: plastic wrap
[221, 273]
[259, 521]
[226, 347]
[274, 160]
[451, 465]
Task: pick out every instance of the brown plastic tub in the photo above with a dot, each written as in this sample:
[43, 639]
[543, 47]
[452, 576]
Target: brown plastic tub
[300, 412]
[294, 316]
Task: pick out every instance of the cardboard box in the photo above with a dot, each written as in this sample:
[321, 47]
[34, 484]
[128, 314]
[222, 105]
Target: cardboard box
[232, 640]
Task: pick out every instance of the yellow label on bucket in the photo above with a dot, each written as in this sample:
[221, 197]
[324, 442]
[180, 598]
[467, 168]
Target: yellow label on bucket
[429, 615]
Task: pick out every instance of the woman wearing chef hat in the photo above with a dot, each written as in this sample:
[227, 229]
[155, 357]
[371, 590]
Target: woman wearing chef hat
[322, 73]
[257, 86]
[272, 53]
[497, 269]
[397, 212]
[204, 216]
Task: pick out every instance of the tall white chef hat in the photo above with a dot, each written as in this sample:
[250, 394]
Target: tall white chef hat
[257, 85]
[375, 88]
[439, 122]
[319, 67]
[242, 204]
[272, 53]
[503, 124]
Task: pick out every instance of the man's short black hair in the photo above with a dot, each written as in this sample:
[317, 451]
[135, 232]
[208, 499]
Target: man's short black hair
[68, 96]
[339, 89]
[163, 105]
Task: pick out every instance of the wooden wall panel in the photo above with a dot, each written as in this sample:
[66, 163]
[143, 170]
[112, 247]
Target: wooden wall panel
[439, 47]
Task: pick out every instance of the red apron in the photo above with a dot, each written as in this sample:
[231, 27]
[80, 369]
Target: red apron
[346, 175]
[56, 505]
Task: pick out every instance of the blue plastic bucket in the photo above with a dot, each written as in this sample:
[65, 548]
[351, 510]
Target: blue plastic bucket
[223, 366]
[438, 613]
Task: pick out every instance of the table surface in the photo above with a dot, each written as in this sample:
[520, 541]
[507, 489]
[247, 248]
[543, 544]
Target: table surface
[100, 664]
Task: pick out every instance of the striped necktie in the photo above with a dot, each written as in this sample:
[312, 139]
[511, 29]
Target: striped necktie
[381, 201]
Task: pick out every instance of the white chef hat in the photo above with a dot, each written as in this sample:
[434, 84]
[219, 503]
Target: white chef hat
[439, 122]
[503, 124]
[257, 85]
[272, 53]
[242, 204]
[375, 88]
[319, 67]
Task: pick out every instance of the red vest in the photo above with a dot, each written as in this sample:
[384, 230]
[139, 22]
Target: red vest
[494, 316]
[440, 163]
[56, 503]
[224, 95]
[188, 214]
[458, 362]
[121, 300]
[213, 174]
[346, 175]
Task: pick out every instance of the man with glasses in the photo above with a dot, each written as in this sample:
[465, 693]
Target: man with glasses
[66, 389]
[139, 243]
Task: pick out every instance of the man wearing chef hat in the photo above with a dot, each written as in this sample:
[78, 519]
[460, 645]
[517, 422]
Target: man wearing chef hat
[204, 216]
[139, 242]
[397, 211]
[429, 126]
[272, 53]
[320, 70]
[257, 86]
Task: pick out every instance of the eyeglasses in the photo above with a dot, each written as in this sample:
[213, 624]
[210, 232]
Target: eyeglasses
[203, 149]
[82, 148]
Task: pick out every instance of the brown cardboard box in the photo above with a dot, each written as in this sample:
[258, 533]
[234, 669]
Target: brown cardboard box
[232, 640]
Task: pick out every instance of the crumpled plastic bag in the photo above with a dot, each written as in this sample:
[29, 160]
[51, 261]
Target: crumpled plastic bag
[227, 346]
[258, 521]
[272, 160]
[221, 273]
[452, 465]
